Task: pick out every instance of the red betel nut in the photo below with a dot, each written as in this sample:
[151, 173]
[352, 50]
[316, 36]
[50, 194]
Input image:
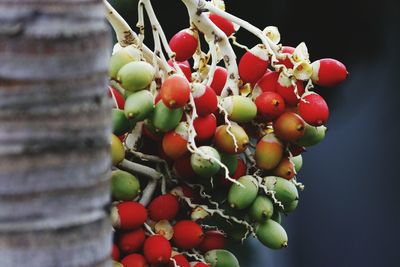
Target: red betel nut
[253, 65]
[313, 109]
[175, 91]
[157, 250]
[187, 234]
[205, 127]
[164, 207]
[219, 80]
[205, 99]
[225, 25]
[184, 44]
[180, 261]
[128, 215]
[328, 72]
[270, 105]
[134, 260]
[132, 241]
[212, 240]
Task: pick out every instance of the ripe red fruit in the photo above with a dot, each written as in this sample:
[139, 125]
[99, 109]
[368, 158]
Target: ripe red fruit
[296, 149]
[225, 25]
[185, 67]
[240, 170]
[289, 127]
[187, 234]
[253, 65]
[157, 250]
[286, 51]
[183, 168]
[219, 80]
[212, 240]
[174, 143]
[328, 72]
[115, 253]
[175, 91]
[180, 261]
[184, 44]
[270, 105]
[128, 215]
[205, 127]
[201, 264]
[164, 207]
[268, 82]
[149, 132]
[118, 99]
[130, 242]
[287, 90]
[313, 109]
[134, 260]
[205, 99]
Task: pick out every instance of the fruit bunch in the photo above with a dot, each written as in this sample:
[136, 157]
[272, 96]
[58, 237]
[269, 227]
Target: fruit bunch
[206, 149]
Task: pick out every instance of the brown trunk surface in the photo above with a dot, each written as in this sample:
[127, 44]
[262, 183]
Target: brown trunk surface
[54, 134]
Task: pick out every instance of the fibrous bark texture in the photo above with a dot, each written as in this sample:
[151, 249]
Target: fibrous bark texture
[54, 134]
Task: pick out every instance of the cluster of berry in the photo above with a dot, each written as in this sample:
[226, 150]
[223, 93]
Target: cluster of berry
[214, 162]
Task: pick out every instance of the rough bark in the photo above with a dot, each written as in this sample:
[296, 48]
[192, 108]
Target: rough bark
[54, 134]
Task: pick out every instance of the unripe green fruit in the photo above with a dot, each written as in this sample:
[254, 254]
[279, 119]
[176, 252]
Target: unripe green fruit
[136, 75]
[241, 197]
[285, 191]
[292, 206]
[240, 108]
[127, 93]
[272, 234]
[312, 135]
[121, 58]
[221, 258]
[139, 105]
[262, 209]
[166, 119]
[205, 167]
[120, 123]
[230, 161]
[124, 186]
[117, 150]
[117, 264]
[298, 162]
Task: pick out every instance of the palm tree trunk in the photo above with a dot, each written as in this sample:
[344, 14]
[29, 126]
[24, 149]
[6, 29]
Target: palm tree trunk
[54, 134]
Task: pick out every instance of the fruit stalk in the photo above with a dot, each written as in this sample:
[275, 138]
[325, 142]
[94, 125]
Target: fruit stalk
[214, 34]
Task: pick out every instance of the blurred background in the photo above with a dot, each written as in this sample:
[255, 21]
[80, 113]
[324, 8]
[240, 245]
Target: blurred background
[349, 214]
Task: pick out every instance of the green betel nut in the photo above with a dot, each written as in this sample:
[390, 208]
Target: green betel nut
[272, 234]
[136, 76]
[285, 191]
[297, 162]
[312, 135]
[221, 258]
[242, 196]
[124, 186]
[120, 123]
[262, 209]
[240, 108]
[165, 119]
[139, 105]
[205, 166]
[122, 57]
